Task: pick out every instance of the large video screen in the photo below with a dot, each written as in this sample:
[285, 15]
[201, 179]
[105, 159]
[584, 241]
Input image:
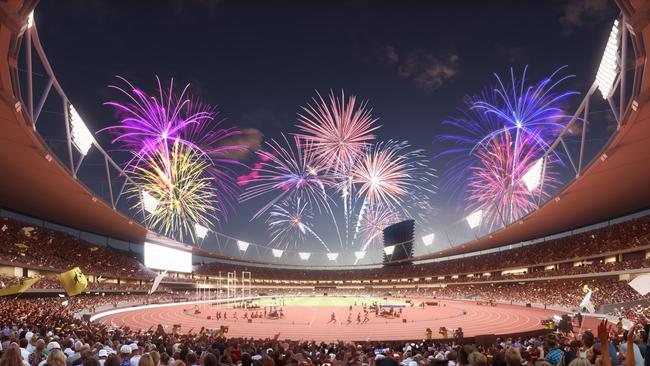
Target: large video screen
[165, 258]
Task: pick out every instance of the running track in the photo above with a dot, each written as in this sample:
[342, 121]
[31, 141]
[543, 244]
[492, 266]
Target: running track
[307, 323]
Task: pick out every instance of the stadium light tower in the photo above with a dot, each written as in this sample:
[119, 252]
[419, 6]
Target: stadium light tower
[277, 252]
[242, 245]
[474, 219]
[81, 137]
[304, 256]
[150, 202]
[609, 65]
[360, 254]
[200, 231]
[428, 239]
[533, 177]
[332, 256]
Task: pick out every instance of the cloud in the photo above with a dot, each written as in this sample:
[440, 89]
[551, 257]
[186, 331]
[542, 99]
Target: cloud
[426, 70]
[250, 140]
[578, 13]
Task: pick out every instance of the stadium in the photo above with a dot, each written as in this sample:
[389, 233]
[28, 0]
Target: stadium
[227, 199]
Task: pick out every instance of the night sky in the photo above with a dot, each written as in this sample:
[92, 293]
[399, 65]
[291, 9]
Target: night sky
[259, 61]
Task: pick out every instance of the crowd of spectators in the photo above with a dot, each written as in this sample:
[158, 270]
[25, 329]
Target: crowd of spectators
[45, 332]
[51, 283]
[594, 244]
[44, 248]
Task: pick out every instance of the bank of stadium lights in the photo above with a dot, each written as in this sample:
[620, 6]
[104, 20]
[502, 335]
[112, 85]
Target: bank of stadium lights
[533, 177]
[277, 252]
[332, 256]
[389, 250]
[609, 67]
[30, 20]
[360, 254]
[81, 137]
[304, 256]
[150, 202]
[474, 219]
[242, 245]
[428, 239]
[200, 231]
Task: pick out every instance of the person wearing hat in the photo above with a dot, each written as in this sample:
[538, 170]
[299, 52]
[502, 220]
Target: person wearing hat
[125, 355]
[51, 347]
[135, 354]
[102, 355]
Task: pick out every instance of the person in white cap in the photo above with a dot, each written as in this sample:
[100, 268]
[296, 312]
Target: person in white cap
[125, 354]
[135, 354]
[103, 355]
[50, 349]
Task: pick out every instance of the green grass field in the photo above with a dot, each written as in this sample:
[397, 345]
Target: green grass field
[326, 301]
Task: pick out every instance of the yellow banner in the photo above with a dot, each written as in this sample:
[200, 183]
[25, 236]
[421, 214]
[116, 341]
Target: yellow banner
[73, 281]
[18, 288]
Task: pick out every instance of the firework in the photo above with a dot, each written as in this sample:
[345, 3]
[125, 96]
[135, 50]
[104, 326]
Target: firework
[375, 221]
[174, 140]
[504, 132]
[389, 172]
[337, 131]
[491, 186]
[288, 171]
[148, 121]
[290, 223]
[180, 182]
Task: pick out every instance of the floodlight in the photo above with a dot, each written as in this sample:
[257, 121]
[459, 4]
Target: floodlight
[30, 20]
[533, 177]
[200, 231]
[474, 219]
[277, 252]
[332, 256]
[609, 68]
[360, 254]
[150, 202]
[304, 256]
[389, 250]
[242, 245]
[428, 239]
[81, 137]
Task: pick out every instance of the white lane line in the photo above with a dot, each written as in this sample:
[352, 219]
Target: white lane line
[313, 316]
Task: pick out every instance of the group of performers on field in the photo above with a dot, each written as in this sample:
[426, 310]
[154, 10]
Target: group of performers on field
[272, 312]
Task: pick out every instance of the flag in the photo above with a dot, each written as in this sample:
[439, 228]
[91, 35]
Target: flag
[18, 288]
[156, 282]
[641, 284]
[73, 281]
[586, 302]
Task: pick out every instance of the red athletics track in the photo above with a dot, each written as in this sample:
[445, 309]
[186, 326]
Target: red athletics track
[307, 323]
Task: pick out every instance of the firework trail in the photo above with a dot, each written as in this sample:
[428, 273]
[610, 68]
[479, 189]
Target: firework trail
[504, 131]
[290, 222]
[373, 223]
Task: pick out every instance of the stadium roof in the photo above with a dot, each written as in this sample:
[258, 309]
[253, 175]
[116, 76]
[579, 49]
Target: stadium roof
[613, 185]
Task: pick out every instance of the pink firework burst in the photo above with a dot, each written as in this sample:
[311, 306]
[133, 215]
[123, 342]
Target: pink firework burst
[388, 173]
[338, 131]
[288, 172]
[491, 186]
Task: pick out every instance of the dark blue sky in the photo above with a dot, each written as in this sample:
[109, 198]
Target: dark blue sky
[259, 61]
